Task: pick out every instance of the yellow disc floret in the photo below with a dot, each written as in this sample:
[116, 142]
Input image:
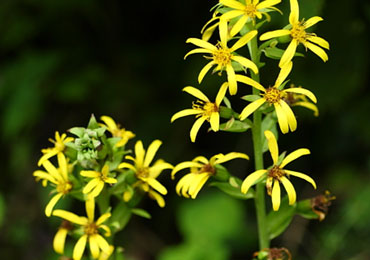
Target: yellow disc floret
[272, 95]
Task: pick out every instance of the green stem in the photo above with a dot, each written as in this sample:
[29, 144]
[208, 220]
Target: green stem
[259, 200]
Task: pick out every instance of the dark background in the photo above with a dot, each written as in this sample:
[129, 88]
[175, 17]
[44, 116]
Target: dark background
[60, 61]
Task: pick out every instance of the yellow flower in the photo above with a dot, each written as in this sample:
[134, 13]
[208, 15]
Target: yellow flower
[222, 56]
[96, 185]
[204, 109]
[274, 96]
[58, 178]
[59, 146]
[141, 165]
[298, 34]
[247, 12]
[60, 236]
[90, 230]
[295, 99]
[106, 255]
[277, 174]
[116, 131]
[201, 169]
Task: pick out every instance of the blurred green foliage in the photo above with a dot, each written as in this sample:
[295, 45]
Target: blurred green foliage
[63, 60]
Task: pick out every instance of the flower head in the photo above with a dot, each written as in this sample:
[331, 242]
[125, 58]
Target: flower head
[203, 109]
[96, 185]
[117, 131]
[297, 99]
[201, 169]
[298, 34]
[59, 146]
[247, 12]
[274, 96]
[222, 56]
[277, 174]
[91, 231]
[141, 165]
[58, 177]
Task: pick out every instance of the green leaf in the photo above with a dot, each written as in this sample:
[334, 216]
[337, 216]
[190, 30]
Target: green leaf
[120, 216]
[93, 124]
[226, 112]
[251, 98]
[276, 53]
[233, 191]
[78, 131]
[278, 221]
[141, 212]
[227, 102]
[235, 126]
[268, 123]
[304, 209]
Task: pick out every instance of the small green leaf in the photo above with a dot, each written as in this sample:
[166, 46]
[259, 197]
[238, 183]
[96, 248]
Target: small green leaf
[93, 124]
[235, 126]
[120, 216]
[233, 191]
[226, 112]
[141, 212]
[251, 98]
[227, 102]
[276, 53]
[222, 174]
[78, 131]
[278, 221]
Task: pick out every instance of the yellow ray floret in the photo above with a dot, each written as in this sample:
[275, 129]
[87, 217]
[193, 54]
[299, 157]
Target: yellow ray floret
[277, 174]
[274, 96]
[117, 131]
[297, 99]
[58, 177]
[247, 12]
[59, 146]
[298, 34]
[96, 185]
[222, 55]
[203, 109]
[90, 231]
[145, 173]
[201, 169]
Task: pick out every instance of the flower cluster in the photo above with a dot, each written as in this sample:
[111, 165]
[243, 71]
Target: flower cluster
[92, 167]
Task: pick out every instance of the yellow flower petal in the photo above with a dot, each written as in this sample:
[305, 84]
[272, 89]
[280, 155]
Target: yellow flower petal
[244, 40]
[223, 32]
[94, 247]
[184, 165]
[312, 21]
[221, 93]
[267, 3]
[251, 108]
[152, 150]
[251, 180]
[71, 217]
[319, 41]
[45, 176]
[215, 121]
[158, 167]
[196, 93]
[317, 50]
[103, 244]
[293, 156]
[183, 185]
[112, 126]
[185, 112]
[294, 12]
[90, 174]
[201, 159]
[250, 82]
[125, 165]
[50, 153]
[274, 34]
[289, 53]
[283, 74]
[302, 176]
[289, 189]
[52, 171]
[98, 188]
[204, 71]
[309, 106]
[233, 4]
[59, 240]
[51, 204]
[275, 196]
[202, 44]
[246, 63]
[238, 25]
[198, 50]
[90, 185]
[194, 130]
[106, 229]
[230, 156]
[231, 14]
[156, 185]
[139, 153]
[273, 146]
[303, 91]
[90, 208]
[79, 248]
[282, 118]
[62, 162]
[194, 189]
[233, 87]
[292, 121]
[157, 197]
[102, 219]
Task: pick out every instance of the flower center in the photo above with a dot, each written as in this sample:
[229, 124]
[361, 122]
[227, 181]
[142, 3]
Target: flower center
[222, 56]
[207, 107]
[91, 229]
[272, 95]
[250, 10]
[64, 187]
[207, 168]
[298, 33]
[143, 172]
[276, 172]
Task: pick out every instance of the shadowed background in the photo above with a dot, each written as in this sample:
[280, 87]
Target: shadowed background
[63, 60]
